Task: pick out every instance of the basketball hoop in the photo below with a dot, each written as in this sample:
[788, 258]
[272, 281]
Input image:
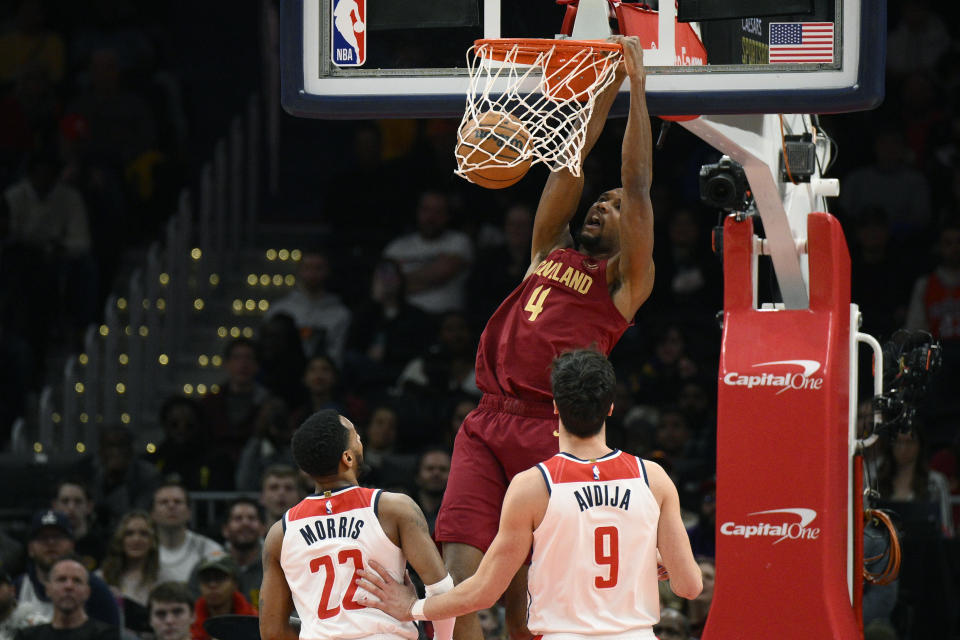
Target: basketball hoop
[550, 86]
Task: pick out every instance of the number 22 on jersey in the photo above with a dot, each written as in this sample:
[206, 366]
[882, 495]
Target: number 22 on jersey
[535, 301]
[354, 556]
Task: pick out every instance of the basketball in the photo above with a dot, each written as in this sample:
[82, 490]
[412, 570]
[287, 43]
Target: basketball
[487, 147]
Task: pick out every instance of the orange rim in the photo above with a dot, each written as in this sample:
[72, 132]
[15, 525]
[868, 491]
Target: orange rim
[529, 48]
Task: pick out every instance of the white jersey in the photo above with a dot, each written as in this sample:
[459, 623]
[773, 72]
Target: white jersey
[594, 566]
[326, 539]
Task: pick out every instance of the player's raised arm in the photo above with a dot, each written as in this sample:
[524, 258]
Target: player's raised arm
[635, 263]
[672, 540]
[400, 511]
[276, 603]
[561, 193]
[523, 507]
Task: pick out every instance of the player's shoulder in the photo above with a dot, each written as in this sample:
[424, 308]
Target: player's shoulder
[391, 504]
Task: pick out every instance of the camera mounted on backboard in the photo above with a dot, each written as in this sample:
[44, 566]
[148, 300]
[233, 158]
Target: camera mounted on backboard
[724, 185]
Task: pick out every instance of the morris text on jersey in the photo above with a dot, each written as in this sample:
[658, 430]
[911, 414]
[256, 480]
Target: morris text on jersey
[325, 528]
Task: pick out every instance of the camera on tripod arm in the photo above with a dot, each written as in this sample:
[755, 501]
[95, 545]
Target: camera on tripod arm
[724, 185]
[910, 360]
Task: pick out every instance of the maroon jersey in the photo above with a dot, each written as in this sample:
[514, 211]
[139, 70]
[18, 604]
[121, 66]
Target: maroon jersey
[564, 304]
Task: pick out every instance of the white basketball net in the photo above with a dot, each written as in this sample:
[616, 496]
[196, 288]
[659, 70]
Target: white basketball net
[553, 99]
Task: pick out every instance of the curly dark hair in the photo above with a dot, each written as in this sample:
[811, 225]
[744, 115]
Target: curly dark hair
[319, 442]
[583, 385]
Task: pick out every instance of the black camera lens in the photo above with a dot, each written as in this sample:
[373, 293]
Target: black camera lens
[722, 190]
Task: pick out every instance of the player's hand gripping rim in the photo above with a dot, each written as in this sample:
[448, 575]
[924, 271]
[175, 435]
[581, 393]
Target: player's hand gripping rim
[385, 593]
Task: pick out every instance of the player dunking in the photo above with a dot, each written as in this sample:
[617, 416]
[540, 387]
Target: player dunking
[312, 555]
[568, 299]
[596, 519]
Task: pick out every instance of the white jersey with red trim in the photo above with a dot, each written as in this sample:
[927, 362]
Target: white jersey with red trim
[326, 539]
[594, 566]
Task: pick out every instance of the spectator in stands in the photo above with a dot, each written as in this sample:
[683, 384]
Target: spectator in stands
[673, 625]
[448, 365]
[388, 469]
[903, 475]
[889, 183]
[431, 481]
[919, 40]
[120, 124]
[879, 278]
[70, 587]
[321, 377]
[50, 538]
[120, 481]
[500, 267]
[180, 548]
[319, 314]
[49, 217]
[663, 374]
[14, 615]
[703, 534]
[462, 405]
[270, 444]
[435, 259]
[492, 623]
[387, 331]
[230, 414]
[282, 359]
[131, 567]
[219, 594]
[427, 381]
[688, 280]
[182, 454]
[29, 44]
[171, 611]
[699, 607]
[935, 307]
[45, 212]
[72, 497]
[935, 301]
[279, 490]
[243, 532]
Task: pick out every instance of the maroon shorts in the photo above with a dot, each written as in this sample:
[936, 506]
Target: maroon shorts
[497, 440]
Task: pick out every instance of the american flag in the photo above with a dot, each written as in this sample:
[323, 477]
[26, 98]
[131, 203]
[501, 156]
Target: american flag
[801, 42]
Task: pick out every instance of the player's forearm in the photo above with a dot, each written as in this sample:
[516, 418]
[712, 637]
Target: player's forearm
[601, 109]
[636, 171]
[280, 630]
[468, 596]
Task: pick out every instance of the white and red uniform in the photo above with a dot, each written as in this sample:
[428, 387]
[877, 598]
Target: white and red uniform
[326, 539]
[594, 567]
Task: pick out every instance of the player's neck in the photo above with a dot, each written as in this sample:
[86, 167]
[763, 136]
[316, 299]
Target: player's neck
[585, 448]
[333, 483]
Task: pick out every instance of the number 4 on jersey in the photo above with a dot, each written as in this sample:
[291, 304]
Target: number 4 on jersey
[535, 302]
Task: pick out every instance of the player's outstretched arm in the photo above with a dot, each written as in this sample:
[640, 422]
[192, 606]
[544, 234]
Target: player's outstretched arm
[561, 194]
[276, 603]
[635, 263]
[413, 533]
[523, 507]
[672, 540]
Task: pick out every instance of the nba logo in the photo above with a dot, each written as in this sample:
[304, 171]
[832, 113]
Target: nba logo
[329, 507]
[348, 46]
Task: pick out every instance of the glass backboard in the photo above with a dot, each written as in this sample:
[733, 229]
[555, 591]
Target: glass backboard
[351, 59]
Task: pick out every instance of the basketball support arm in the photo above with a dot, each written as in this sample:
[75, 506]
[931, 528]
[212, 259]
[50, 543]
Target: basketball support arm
[754, 141]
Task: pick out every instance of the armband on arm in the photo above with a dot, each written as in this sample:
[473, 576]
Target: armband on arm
[442, 629]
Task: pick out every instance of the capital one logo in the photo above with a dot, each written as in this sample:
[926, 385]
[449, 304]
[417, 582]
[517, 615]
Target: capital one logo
[782, 528]
[784, 374]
